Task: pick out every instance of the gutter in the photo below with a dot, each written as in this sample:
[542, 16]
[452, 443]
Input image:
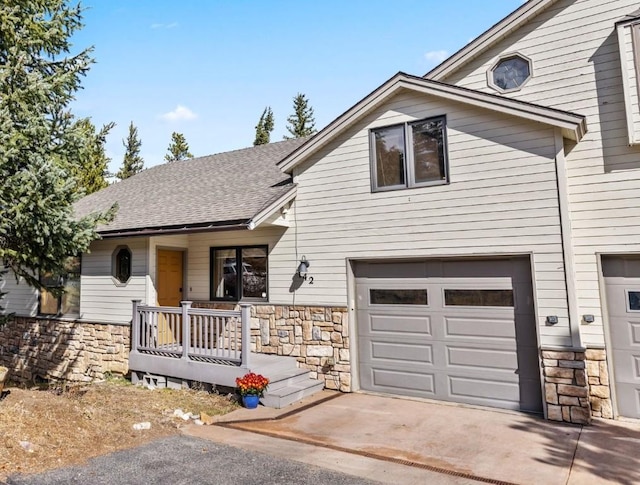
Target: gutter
[168, 230]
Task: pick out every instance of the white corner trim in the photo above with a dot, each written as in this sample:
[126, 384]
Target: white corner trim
[567, 243]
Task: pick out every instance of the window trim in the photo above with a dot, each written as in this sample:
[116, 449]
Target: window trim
[504, 57]
[114, 265]
[409, 161]
[238, 250]
[59, 313]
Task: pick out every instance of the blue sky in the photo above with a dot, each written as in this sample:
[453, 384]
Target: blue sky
[207, 69]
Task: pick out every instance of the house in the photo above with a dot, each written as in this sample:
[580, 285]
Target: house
[471, 235]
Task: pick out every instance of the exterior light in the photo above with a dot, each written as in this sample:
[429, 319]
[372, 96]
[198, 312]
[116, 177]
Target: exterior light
[588, 318]
[552, 319]
[303, 267]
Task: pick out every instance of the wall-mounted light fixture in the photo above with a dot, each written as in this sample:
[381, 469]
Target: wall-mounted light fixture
[552, 319]
[588, 318]
[303, 267]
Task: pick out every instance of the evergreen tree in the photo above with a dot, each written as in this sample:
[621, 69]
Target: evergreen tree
[42, 146]
[178, 148]
[91, 175]
[301, 122]
[264, 127]
[133, 162]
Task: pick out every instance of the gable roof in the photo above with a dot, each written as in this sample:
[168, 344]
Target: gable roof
[497, 32]
[573, 126]
[226, 190]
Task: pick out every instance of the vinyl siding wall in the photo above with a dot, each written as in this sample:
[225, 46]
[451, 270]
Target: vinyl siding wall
[502, 199]
[102, 299]
[20, 298]
[574, 48]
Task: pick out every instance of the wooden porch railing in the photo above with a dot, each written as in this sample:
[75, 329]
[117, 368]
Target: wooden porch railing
[192, 334]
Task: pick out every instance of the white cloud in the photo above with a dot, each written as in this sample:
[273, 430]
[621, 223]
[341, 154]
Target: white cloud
[181, 113]
[436, 57]
[172, 25]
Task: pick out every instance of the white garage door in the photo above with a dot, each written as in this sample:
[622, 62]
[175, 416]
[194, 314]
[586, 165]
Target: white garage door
[622, 280]
[460, 331]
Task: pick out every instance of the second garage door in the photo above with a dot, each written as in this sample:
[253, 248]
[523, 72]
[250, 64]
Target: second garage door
[460, 331]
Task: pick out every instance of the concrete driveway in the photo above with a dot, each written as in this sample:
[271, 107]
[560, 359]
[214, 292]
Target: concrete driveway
[398, 440]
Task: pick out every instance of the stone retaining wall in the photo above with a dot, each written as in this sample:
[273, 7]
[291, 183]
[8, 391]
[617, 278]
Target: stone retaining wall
[318, 337]
[51, 349]
[565, 386]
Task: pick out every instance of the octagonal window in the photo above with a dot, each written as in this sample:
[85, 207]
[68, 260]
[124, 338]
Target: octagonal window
[510, 73]
[121, 265]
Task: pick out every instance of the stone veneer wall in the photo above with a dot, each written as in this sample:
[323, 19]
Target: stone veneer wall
[55, 349]
[565, 385]
[318, 337]
[598, 380]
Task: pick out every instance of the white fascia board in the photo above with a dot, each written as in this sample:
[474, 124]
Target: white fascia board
[573, 125]
[266, 213]
[485, 40]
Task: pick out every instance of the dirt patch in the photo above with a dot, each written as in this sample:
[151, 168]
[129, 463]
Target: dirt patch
[48, 428]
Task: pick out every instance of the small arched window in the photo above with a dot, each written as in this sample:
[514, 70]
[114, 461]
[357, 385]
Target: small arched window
[122, 264]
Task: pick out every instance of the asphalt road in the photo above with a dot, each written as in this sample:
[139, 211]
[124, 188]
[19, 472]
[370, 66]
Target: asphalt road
[185, 460]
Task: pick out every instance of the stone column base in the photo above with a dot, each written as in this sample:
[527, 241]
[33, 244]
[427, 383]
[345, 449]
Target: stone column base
[565, 386]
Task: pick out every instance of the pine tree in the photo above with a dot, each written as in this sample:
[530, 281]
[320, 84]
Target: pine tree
[132, 162]
[91, 175]
[42, 145]
[178, 148]
[264, 127]
[301, 122]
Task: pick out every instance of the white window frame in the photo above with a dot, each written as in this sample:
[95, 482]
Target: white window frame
[505, 57]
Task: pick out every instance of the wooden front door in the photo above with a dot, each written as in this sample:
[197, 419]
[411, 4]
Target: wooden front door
[170, 284]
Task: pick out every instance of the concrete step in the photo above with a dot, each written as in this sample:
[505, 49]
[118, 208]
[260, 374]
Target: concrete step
[284, 396]
[287, 378]
[268, 365]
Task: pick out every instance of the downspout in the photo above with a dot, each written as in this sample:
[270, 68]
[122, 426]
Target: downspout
[567, 243]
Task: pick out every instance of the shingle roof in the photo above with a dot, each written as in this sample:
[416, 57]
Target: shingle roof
[226, 187]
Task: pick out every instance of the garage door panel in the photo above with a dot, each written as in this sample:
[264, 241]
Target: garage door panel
[486, 391]
[399, 352]
[391, 380]
[628, 399]
[486, 358]
[478, 328]
[399, 324]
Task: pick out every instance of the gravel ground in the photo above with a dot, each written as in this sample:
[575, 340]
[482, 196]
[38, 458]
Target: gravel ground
[183, 460]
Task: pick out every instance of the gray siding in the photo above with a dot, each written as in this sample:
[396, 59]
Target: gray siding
[102, 299]
[20, 298]
[575, 51]
[502, 199]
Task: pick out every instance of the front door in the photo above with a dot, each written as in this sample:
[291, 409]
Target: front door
[170, 284]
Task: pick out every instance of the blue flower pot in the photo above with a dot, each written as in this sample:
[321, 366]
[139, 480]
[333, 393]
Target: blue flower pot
[250, 401]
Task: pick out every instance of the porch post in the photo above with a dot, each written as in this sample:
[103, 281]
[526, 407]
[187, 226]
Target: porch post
[245, 333]
[186, 329]
[135, 326]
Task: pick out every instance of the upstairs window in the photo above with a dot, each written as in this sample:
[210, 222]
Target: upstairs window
[409, 155]
[61, 293]
[510, 73]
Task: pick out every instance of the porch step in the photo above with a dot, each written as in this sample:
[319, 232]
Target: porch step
[269, 365]
[290, 394]
[289, 378]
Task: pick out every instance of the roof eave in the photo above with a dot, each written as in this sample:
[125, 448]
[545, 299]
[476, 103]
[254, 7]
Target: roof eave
[271, 208]
[173, 230]
[485, 40]
[573, 125]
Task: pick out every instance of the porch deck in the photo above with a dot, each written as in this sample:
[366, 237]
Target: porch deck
[210, 346]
